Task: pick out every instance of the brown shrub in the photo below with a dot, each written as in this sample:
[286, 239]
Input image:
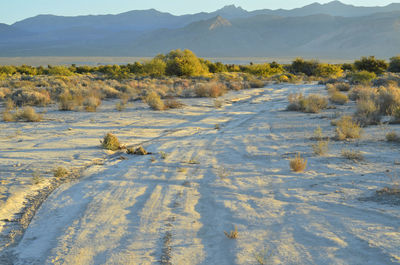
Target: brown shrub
[211, 89]
[110, 142]
[346, 128]
[298, 164]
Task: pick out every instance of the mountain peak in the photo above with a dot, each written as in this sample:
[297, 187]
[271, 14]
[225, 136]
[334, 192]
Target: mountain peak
[219, 22]
[231, 8]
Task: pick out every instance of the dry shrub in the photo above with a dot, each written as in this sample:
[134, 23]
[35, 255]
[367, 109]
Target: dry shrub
[210, 90]
[312, 104]
[60, 172]
[154, 101]
[255, 83]
[346, 128]
[9, 105]
[321, 147]
[172, 103]
[298, 164]
[367, 112]
[67, 102]
[31, 98]
[4, 92]
[110, 142]
[362, 92]
[233, 234]
[388, 99]
[91, 103]
[352, 155]
[120, 106]
[338, 98]
[8, 116]
[138, 151]
[28, 114]
[392, 137]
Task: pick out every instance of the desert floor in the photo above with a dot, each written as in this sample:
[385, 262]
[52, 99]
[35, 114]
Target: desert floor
[221, 168]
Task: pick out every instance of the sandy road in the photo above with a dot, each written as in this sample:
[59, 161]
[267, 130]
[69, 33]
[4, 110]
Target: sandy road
[174, 210]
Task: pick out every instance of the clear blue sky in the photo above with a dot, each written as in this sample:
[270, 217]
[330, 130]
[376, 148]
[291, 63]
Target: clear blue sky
[14, 10]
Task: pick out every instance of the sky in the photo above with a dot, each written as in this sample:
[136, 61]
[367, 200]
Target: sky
[15, 10]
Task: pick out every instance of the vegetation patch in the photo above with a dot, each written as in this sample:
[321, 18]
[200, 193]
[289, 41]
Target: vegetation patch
[346, 128]
[298, 164]
[110, 142]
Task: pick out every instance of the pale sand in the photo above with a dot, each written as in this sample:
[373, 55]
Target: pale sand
[139, 211]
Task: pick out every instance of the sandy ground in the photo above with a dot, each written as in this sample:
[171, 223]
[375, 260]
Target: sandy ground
[222, 168]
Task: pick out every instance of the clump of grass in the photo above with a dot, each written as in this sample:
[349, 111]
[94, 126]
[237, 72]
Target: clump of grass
[321, 147]
[338, 98]
[28, 114]
[110, 142]
[392, 137]
[210, 90]
[137, 151]
[262, 257]
[163, 155]
[298, 164]
[66, 102]
[60, 172]
[8, 116]
[172, 103]
[154, 101]
[233, 234]
[92, 103]
[367, 112]
[312, 104]
[352, 155]
[218, 104]
[346, 128]
[36, 179]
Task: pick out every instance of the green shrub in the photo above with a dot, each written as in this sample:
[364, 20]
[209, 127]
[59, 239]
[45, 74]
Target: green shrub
[155, 67]
[59, 70]
[299, 65]
[362, 77]
[371, 64]
[184, 63]
[394, 65]
[110, 142]
[346, 128]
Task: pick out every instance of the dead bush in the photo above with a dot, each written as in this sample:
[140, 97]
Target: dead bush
[346, 128]
[154, 101]
[338, 98]
[28, 114]
[367, 112]
[298, 164]
[110, 142]
[92, 103]
[312, 104]
[210, 90]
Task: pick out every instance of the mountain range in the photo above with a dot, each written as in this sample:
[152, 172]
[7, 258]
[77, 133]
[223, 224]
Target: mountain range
[332, 30]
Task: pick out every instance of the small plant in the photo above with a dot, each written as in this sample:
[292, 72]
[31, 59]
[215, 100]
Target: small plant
[138, 151]
[352, 155]
[262, 257]
[91, 103]
[367, 112]
[8, 116]
[298, 164]
[318, 134]
[218, 104]
[36, 179]
[28, 114]
[394, 189]
[110, 142]
[60, 172]
[346, 128]
[233, 234]
[120, 106]
[172, 103]
[154, 101]
[321, 147]
[339, 98]
[163, 155]
[312, 104]
[392, 137]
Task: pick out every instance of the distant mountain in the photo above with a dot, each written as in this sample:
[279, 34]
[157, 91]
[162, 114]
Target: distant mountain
[333, 30]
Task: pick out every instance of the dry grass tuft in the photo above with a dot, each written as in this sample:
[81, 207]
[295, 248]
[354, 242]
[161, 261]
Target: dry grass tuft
[138, 151]
[338, 98]
[321, 147]
[110, 142]
[233, 234]
[392, 137]
[154, 101]
[298, 164]
[352, 155]
[346, 128]
[28, 114]
[60, 172]
[312, 104]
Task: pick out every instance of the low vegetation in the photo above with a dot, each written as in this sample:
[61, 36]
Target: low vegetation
[233, 234]
[346, 128]
[60, 172]
[111, 142]
[298, 164]
[352, 155]
[312, 104]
